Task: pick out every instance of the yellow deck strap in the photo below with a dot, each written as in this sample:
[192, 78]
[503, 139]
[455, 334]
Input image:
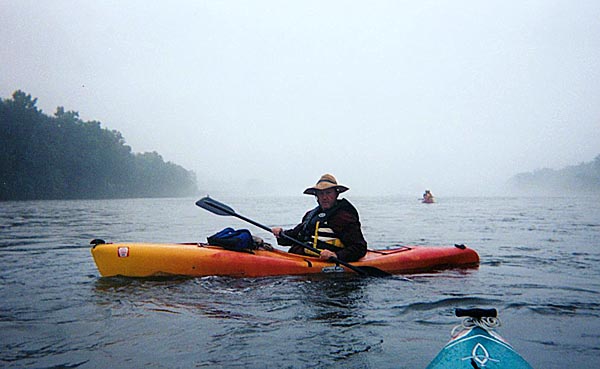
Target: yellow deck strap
[315, 238]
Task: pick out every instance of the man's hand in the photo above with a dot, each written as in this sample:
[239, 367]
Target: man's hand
[326, 254]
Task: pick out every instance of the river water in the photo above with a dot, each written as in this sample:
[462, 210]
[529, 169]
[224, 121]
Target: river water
[540, 267]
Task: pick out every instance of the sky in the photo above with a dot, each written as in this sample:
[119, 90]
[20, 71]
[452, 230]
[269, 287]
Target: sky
[263, 97]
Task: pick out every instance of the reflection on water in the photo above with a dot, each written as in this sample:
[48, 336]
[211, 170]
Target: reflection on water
[540, 268]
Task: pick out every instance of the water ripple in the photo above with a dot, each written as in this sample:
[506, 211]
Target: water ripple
[540, 267]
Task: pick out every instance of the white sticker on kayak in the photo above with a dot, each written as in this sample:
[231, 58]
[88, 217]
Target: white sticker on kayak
[123, 252]
[333, 269]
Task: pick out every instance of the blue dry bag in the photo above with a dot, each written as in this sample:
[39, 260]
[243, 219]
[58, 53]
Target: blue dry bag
[231, 239]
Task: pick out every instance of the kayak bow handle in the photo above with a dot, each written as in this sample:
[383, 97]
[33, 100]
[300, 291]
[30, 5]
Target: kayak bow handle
[477, 313]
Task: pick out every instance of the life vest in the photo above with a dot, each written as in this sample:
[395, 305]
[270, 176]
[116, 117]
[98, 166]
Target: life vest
[317, 231]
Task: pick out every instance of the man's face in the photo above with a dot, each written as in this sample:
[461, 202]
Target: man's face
[326, 198]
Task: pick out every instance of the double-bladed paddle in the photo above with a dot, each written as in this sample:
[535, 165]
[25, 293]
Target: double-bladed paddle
[219, 208]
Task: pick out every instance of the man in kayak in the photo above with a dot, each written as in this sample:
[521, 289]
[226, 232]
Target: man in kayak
[332, 227]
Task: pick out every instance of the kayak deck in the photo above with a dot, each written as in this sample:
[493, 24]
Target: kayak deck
[195, 259]
[477, 345]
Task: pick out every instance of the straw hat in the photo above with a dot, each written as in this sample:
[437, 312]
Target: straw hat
[326, 181]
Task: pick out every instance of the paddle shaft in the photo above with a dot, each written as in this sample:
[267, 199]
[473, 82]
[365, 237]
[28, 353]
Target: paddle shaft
[303, 244]
[282, 234]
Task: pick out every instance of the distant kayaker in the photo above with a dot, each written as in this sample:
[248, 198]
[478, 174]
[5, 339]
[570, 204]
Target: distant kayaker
[427, 196]
[332, 227]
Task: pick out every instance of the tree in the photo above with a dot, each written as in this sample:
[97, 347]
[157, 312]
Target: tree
[63, 157]
[578, 179]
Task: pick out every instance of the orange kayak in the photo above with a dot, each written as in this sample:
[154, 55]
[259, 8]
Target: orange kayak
[197, 260]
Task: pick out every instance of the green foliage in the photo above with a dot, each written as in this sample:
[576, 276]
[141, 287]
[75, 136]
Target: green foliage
[63, 157]
[578, 179]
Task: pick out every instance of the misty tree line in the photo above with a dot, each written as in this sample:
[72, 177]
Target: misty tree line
[582, 178]
[63, 157]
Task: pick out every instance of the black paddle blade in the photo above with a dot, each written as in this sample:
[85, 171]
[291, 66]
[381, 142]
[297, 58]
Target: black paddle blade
[214, 206]
[372, 271]
[365, 271]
